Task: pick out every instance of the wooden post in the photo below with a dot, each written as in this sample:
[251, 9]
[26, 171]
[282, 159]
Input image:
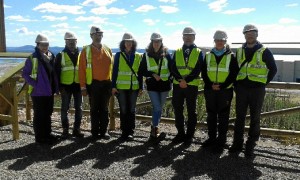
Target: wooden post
[112, 123]
[2, 28]
[28, 105]
[14, 110]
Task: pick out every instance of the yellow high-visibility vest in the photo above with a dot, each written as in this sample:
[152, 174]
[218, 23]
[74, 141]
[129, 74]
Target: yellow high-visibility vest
[184, 69]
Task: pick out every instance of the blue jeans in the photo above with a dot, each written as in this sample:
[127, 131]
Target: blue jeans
[158, 100]
[127, 103]
[66, 96]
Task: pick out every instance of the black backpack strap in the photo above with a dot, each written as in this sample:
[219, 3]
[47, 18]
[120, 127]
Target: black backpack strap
[127, 62]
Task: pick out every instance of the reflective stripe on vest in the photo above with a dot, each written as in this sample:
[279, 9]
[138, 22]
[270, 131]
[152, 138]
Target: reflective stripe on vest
[256, 70]
[217, 73]
[88, 52]
[184, 69]
[126, 79]
[153, 66]
[69, 73]
[34, 72]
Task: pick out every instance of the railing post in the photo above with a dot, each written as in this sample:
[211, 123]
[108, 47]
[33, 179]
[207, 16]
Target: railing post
[27, 104]
[112, 124]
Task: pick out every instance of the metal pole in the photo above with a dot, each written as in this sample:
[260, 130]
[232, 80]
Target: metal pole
[2, 28]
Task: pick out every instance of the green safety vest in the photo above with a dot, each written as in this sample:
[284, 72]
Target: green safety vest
[256, 70]
[184, 69]
[126, 79]
[218, 73]
[69, 73]
[88, 52]
[154, 67]
[34, 72]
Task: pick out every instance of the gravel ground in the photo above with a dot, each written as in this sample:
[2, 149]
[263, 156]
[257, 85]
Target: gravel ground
[111, 159]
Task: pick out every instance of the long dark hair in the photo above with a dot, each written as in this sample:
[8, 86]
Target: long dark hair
[160, 53]
[122, 46]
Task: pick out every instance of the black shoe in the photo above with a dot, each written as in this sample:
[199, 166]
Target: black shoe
[179, 138]
[188, 140]
[249, 150]
[209, 142]
[77, 133]
[105, 136]
[65, 134]
[236, 148]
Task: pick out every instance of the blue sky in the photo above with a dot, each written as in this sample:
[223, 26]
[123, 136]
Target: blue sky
[277, 20]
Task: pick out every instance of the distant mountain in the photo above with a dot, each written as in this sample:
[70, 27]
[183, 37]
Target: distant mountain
[55, 49]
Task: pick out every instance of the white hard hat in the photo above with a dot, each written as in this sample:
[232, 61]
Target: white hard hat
[127, 37]
[220, 35]
[249, 27]
[95, 29]
[155, 36]
[41, 39]
[188, 30]
[70, 35]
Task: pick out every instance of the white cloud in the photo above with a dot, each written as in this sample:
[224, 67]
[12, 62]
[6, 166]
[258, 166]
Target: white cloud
[6, 6]
[56, 8]
[292, 5]
[145, 8]
[98, 2]
[177, 23]
[287, 20]
[94, 19]
[218, 5]
[150, 22]
[105, 10]
[61, 25]
[54, 18]
[166, 1]
[22, 30]
[169, 9]
[239, 11]
[19, 18]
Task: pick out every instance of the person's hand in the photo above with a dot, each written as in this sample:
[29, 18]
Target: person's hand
[183, 84]
[83, 91]
[157, 77]
[216, 87]
[114, 91]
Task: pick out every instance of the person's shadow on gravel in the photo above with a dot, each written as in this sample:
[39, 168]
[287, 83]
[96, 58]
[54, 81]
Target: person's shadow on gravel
[25, 156]
[207, 164]
[157, 156]
[33, 153]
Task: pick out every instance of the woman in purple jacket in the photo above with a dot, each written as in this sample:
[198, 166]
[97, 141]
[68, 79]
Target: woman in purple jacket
[39, 73]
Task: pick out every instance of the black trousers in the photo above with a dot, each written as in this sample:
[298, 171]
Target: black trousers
[99, 94]
[188, 94]
[254, 98]
[218, 109]
[42, 111]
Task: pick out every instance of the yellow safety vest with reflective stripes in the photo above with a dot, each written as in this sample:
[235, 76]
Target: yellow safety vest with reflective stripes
[88, 52]
[126, 79]
[184, 69]
[69, 73]
[154, 67]
[256, 70]
[34, 72]
[218, 73]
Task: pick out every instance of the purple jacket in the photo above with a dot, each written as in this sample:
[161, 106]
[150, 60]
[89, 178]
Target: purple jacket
[46, 83]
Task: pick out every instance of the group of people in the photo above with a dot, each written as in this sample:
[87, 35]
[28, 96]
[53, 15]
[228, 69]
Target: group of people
[97, 73]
